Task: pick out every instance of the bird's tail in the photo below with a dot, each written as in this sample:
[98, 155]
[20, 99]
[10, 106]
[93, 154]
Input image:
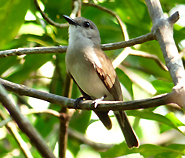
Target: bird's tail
[105, 119]
[128, 132]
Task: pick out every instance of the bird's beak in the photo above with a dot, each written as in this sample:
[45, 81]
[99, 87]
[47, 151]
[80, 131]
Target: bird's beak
[70, 20]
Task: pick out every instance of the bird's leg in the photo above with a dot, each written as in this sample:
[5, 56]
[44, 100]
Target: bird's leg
[96, 101]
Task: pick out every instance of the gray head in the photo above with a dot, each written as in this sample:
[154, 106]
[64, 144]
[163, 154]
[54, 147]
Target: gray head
[83, 29]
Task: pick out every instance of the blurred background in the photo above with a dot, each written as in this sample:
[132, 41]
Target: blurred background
[160, 130]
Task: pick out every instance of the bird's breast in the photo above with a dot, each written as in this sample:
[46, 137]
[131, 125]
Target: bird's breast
[80, 64]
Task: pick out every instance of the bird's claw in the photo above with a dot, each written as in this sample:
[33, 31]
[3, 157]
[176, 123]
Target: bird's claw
[96, 101]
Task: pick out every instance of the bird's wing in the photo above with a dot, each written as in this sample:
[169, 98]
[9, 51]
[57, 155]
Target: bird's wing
[108, 75]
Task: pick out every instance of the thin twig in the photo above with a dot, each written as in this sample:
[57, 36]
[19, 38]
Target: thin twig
[149, 56]
[24, 125]
[76, 12]
[82, 139]
[165, 137]
[31, 111]
[47, 111]
[36, 50]
[51, 22]
[4, 120]
[122, 25]
[131, 42]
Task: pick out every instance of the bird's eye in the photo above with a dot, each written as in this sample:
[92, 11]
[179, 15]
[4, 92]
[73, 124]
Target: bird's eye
[86, 24]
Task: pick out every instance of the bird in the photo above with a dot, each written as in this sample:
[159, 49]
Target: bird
[94, 74]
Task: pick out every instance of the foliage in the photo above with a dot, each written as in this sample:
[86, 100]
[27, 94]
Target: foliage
[47, 72]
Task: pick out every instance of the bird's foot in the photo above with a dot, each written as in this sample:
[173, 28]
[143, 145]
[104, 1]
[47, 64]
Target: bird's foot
[96, 101]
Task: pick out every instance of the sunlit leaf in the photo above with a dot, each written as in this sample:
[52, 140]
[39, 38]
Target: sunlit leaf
[162, 86]
[171, 116]
[9, 11]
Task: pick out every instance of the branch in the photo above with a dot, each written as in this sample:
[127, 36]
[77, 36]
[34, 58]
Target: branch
[63, 135]
[36, 50]
[163, 30]
[131, 42]
[24, 125]
[87, 105]
[64, 119]
[62, 49]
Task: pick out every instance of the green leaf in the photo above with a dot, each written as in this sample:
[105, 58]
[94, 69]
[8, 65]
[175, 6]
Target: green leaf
[168, 155]
[80, 121]
[146, 150]
[162, 86]
[125, 80]
[6, 63]
[9, 11]
[117, 150]
[3, 150]
[171, 116]
[178, 151]
[155, 117]
[32, 63]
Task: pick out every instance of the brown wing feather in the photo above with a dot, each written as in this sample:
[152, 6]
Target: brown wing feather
[108, 75]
